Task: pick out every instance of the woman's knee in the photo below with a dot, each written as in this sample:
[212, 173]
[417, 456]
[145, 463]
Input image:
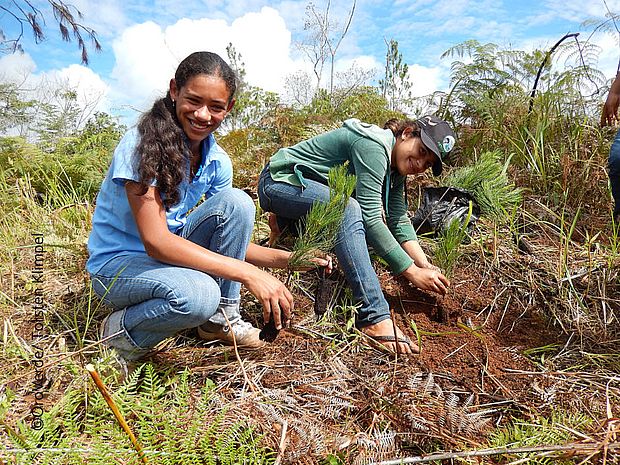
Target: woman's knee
[240, 209]
[196, 295]
[242, 202]
[353, 213]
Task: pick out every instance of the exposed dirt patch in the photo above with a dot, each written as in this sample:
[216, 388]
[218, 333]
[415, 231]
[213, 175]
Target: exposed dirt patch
[322, 388]
[337, 393]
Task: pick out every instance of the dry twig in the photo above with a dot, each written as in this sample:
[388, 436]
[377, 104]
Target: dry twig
[115, 410]
[575, 448]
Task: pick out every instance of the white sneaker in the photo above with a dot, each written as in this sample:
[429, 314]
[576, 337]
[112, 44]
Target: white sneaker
[110, 332]
[246, 335]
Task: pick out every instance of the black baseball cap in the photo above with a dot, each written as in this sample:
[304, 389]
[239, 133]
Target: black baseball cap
[439, 137]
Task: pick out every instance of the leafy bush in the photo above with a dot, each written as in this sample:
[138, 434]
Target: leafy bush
[363, 103]
[73, 172]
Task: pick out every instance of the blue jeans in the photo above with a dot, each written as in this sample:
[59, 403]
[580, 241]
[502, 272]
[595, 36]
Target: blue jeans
[614, 172]
[156, 300]
[292, 203]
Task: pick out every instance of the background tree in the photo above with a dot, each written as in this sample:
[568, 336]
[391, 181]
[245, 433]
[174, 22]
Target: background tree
[314, 46]
[395, 86]
[492, 83]
[299, 89]
[59, 118]
[323, 40]
[15, 112]
[333, 43]
[27, 16]
[44, 114]
[235, 60]
[349, 81]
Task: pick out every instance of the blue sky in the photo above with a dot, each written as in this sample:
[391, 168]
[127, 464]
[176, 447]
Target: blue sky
[143, 41]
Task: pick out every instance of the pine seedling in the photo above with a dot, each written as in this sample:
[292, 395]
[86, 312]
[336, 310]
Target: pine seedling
[489, 184]
[447, 251]
[321, 224]
[318, 236]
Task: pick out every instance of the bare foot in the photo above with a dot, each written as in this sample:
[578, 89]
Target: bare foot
[383, 333]
[274, 230]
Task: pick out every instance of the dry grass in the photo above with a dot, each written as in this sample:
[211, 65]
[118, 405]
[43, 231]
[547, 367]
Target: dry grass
[322, 389]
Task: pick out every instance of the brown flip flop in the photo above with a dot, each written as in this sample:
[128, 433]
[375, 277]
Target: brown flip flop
[404, 340]
[401, 340]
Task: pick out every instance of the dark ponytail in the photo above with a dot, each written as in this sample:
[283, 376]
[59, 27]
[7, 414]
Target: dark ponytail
[397, 126]
[162, 149]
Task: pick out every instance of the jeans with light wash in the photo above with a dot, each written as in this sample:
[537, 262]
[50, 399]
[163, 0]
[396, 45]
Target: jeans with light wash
[291, 203]
[155, 300]
[614, 172]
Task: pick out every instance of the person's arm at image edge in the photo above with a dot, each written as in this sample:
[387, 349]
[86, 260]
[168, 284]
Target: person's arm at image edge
[610, 109]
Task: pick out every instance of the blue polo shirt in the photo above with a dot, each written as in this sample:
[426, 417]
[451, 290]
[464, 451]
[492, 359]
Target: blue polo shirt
[115, 231]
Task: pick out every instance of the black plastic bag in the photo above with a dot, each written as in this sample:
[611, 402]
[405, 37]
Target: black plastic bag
[441, 205]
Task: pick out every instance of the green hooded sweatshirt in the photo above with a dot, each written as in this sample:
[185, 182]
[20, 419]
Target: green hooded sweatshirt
[368, 149]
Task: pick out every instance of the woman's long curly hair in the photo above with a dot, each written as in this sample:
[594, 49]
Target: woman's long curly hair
[397, 126]
[164, 154]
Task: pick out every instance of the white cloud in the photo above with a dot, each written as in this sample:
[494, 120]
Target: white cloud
[573, 11]
[105, 17]
[610, 55]
[293, 12]
[16, 67]
[425, 80]
[147, 56]
[365, 62]
[264, 41]
[143, 64]
[91, 90]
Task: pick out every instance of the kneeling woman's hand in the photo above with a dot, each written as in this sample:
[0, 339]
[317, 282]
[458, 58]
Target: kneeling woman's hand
[314, 259]
[276, 299]
[428, 279]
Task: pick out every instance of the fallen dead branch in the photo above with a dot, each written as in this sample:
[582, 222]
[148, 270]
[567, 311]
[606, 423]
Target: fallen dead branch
[572, 449]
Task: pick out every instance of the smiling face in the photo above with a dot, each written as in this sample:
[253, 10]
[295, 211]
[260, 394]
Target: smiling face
[201, 105]
[410, 155]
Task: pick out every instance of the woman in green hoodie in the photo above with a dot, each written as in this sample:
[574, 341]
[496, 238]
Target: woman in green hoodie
[296, 177]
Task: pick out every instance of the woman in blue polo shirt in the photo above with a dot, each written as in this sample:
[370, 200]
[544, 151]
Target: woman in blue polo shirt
[162, 263]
